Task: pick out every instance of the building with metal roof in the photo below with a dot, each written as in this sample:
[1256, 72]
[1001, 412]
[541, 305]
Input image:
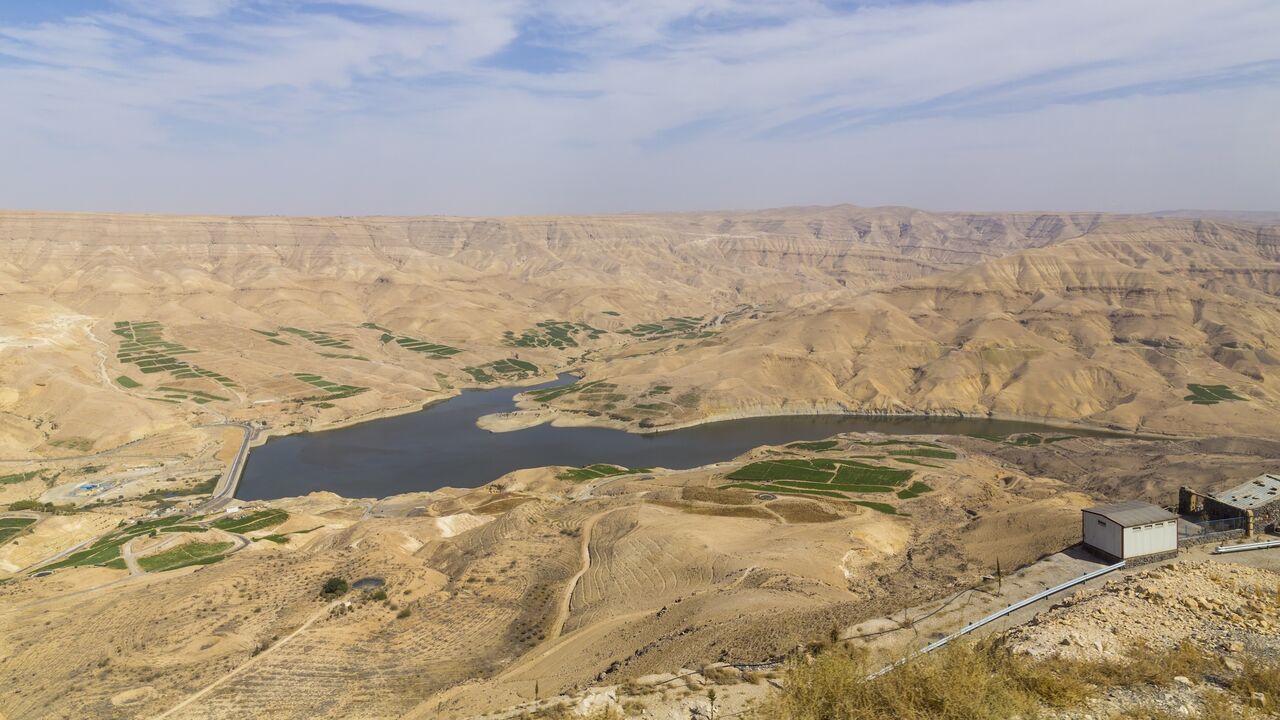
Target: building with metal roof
[1130, 530]
[1254, 494]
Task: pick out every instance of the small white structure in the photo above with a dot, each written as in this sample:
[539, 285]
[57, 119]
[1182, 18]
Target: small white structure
[1130, 530]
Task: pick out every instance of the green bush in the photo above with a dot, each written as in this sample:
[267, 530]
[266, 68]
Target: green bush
[335, 587]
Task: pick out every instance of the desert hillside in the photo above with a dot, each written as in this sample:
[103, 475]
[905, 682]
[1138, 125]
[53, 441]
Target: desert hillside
[545, 583]
[116, 328]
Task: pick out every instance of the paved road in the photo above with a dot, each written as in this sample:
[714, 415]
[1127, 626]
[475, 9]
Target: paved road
[223, 493]
[225, 490]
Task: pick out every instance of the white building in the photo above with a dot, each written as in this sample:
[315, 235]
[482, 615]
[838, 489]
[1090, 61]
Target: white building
[1130, 530]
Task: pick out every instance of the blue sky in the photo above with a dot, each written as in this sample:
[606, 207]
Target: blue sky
[524, 106]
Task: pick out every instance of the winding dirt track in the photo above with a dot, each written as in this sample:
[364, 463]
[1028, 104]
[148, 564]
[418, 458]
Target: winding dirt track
[566, 599]
[247, 663]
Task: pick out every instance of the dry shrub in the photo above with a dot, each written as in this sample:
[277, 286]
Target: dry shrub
[960, 681]
[1258, 677]
[980, 682]
[1215, 705]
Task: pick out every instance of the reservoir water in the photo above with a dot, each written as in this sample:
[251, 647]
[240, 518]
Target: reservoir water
[441, 446]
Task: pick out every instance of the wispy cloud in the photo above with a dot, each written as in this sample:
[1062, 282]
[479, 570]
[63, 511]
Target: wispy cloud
[525, 105]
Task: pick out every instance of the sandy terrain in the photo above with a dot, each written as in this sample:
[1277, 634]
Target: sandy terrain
[536, 585]
[125, 340]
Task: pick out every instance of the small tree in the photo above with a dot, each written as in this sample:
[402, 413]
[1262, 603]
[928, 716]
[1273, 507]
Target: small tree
[334, 586]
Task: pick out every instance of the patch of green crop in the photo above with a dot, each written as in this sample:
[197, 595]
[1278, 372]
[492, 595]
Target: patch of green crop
[831, 471]
[182, 529]
[872, 475]
[204, 487]
[917, 461]
[917, 488]
[322, 338]
[1210, 394]
[253, 521]
[73, 443]
[886, 443]
[926, 453]
[107, 548]
[506, 369]
[18, 477]
[337, 356]
[885, 508]
[614, 313]
[430, 349]
[842, 487]
[128, 382]
[549, 394]
[336, 391]
[817, 446]
[18, 522]
[782, 490]
[194, 553]
[143, 345]
[599, 470]
[686, 327]
[559, 334]
[12, 527]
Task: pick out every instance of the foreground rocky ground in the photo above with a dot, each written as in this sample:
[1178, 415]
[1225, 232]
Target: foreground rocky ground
[553, 586]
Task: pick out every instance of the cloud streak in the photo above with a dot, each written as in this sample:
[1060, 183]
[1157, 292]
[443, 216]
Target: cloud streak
[511, 106]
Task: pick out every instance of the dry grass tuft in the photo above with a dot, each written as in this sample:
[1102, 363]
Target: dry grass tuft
[987, 682]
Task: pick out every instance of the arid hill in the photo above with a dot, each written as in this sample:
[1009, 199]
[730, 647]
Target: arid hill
[128, 343]
[1075, 317]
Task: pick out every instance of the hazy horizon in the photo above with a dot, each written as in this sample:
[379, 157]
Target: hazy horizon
[508, 107]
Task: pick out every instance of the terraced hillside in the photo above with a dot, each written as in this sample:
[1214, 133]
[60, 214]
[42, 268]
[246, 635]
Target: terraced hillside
[880, 309]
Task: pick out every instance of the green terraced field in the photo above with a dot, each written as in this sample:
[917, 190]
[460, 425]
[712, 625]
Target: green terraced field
[817, 446]
[18, 477]
[143, 346]
[253, 521]
[885, 508]
[319, 337]
[107, 548]
[558, 334]
[128, 382]
[783, 490]
[10, 527]
[412, 344]
[193, 553]
[1210, 394]
[818, 476]
[917, 488]
[916, 461]
[337, 391]
[886, 443]
[426, 348]
[591, 472]
[508, 369]
[925, 453]
[684, 327]
[199, 397]
[550, 394]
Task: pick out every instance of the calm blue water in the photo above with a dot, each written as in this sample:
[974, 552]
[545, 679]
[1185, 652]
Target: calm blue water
[441, 446]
